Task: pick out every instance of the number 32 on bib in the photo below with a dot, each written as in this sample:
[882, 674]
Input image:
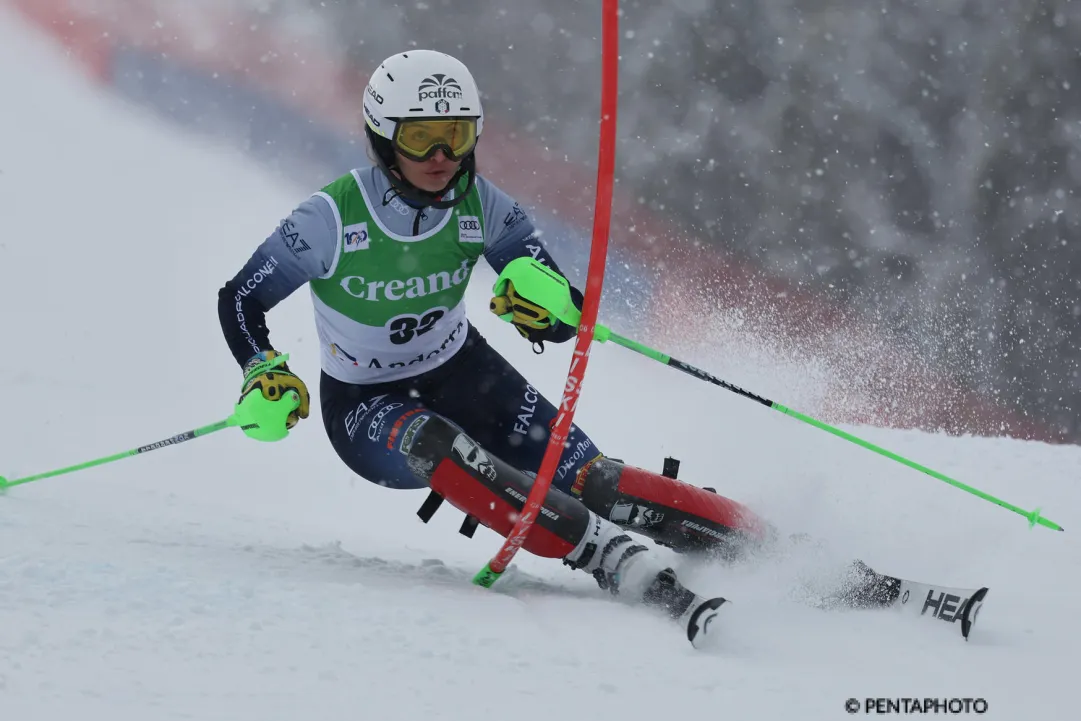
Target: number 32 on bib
[407, 326]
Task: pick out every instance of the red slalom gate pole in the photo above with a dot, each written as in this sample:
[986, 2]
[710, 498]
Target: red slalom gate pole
[602, 219]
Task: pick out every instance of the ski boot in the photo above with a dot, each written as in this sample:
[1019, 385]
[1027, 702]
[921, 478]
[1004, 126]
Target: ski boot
[633, 572]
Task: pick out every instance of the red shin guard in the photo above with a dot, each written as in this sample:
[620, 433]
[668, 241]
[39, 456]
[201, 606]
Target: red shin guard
[470, 495]
[691, 500]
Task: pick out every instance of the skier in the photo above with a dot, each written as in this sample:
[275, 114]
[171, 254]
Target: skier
[411, 395]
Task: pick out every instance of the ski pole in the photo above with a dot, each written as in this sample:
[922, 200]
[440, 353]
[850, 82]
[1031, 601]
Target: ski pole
[532, 280]
[265, 421]
[171, 441]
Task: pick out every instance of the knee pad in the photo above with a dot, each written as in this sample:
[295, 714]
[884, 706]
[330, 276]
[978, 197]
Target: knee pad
[491, 491]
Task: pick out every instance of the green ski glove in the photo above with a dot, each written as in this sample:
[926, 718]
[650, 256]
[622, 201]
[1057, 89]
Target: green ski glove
[272, 400]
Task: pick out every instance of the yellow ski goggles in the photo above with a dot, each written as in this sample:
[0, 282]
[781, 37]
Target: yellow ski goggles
[419, 138]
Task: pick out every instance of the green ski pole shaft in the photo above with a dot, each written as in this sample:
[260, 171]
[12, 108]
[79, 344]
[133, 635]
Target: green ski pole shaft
[233, 420]
[1033, 517]
[171, 441]
[552, 291]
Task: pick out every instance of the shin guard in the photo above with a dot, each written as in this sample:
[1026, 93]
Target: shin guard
[491, 491]
[673, 513]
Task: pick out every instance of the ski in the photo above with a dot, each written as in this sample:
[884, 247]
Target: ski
[922, 600]
[941, 602]
[698, 620]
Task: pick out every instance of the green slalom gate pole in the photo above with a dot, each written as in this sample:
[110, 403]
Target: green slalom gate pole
[532, 280]
[263, 420]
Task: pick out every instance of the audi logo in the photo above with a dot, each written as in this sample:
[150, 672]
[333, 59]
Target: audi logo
[469, 224]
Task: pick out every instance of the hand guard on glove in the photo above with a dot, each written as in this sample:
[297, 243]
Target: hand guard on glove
[274, 384]
[533, 322]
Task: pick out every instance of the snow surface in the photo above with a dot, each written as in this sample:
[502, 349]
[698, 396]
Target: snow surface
[226, 579]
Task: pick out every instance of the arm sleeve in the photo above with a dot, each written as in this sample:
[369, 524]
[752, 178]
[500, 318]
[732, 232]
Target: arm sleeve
[509, 232]
[302, 247]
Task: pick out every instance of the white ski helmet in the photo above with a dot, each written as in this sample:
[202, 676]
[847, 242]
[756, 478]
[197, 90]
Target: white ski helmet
[420, 84]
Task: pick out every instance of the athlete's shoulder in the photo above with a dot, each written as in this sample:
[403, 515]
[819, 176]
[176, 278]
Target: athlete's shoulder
[502, 213]
[347, 182]
[488, 188]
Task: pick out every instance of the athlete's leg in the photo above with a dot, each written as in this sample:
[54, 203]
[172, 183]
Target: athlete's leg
[484, 394]
[672, 512]
[494, 404]
[492, 491]
[389, 438]
[479, 392]
[366, 423]
[386, 435]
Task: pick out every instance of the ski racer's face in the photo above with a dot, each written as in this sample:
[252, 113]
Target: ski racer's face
[432, 174]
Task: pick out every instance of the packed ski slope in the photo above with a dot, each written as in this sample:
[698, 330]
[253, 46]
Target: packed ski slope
[226, 579]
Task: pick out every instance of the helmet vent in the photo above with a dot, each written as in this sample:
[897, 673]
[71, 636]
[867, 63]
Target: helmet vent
[391, 77]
